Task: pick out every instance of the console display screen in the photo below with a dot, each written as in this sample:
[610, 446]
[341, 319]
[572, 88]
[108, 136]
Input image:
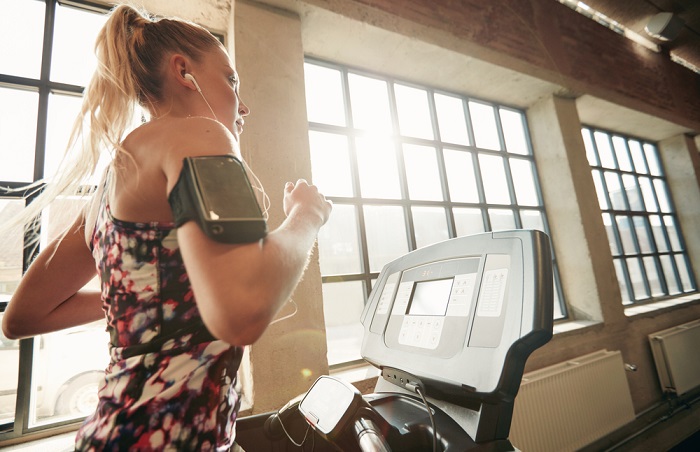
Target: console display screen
[431, 297]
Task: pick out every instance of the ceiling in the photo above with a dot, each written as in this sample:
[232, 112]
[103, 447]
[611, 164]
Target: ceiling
[635, 14]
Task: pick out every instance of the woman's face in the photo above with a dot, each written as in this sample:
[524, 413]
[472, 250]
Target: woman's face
[219, 83]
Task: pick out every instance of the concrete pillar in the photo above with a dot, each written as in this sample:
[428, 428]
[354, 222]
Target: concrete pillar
[581, 245]
[269, 58]
[681, 162]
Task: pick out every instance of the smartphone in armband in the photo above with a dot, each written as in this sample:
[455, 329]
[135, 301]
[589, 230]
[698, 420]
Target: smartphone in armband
[215, 192]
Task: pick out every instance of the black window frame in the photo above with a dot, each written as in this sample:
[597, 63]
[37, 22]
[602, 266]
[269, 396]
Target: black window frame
[619, 246]
[367, 277]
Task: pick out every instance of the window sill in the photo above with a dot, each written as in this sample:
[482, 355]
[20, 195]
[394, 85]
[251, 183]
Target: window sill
[573, 325]
[635, 310]
[63, 442]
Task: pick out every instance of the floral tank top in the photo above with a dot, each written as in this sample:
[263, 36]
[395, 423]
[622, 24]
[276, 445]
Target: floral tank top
[169, 384]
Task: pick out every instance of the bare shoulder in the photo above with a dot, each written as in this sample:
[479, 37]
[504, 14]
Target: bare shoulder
[164, 143]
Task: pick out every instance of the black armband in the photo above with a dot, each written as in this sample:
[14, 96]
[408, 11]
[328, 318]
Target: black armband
[215, 192]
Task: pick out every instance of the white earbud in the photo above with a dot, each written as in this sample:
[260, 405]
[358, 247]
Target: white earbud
[191, 79]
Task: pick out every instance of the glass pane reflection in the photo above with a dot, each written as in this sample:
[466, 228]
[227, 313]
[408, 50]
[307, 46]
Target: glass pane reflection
[324, 95]
[20, 49]
[18, 121]
[414, 112]
[73, 59]
[451, 120]
[343, 303]
[338, 242]
[330, 163]
[422, 173]
[386, 235]
[430, 224]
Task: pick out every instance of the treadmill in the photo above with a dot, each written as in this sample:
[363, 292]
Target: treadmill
[450, 326]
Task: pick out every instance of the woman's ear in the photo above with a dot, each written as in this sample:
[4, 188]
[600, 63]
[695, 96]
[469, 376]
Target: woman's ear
[178, 66]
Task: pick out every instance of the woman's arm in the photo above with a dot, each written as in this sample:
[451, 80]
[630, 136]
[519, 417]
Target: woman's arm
[240, 288]
[49, 297]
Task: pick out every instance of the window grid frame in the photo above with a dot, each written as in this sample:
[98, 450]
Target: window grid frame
[620, 254]
[44, 87]
[349, 131]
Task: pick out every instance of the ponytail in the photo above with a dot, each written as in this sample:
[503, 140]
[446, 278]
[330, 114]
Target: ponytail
[130, 50]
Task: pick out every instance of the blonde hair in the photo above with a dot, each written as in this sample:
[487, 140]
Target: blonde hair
[131, 50]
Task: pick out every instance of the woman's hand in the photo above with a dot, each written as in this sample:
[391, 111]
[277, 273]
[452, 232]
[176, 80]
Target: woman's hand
[307, 200]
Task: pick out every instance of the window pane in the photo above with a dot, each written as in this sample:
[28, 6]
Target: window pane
[625, 230]
[10, 249]
[493, 176]
[62, 113]
[673, 235]
[640, 228]
[640, 165]
[653, 277]
[330, 163]
[430, 224]
[612, 180]
[338, 242]
[652, 159]
[10, 274]
[9, 373]
[662, 195]
[514, 131]
[590, 150]
[648, 194]
[634, 197]
[414, 112]
[532, 219]
[343, 303]
[600, 191]
[635, 269]
[671, 281]
[685, 273]
[501, 219]
[604, 151]
[73, 59]
[619, 271]
[422, 173]
[468, 221]
[56, 218]
[386, 235]
[451, 120]
[324, 95]
[18, 117]
[484, 126]
[379, 174]
[21, 38]
[558, 313]
[623, 159]
[658, 230]
[460, 176]
[524, 182]
[65, 383]
[607, 221]
[370, 104]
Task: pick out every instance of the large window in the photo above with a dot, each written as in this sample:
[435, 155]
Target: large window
[648, 250]
[47, 60]
[407, 166]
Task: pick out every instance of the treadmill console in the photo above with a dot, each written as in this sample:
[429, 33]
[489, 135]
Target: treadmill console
[462, 316]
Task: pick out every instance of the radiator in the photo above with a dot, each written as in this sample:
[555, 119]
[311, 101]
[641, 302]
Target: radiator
[675, 352]
[571, 404]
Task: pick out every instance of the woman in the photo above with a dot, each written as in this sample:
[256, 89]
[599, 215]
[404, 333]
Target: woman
[169, 384]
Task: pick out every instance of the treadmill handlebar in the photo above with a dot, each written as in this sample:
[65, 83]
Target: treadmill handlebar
[368, 436]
